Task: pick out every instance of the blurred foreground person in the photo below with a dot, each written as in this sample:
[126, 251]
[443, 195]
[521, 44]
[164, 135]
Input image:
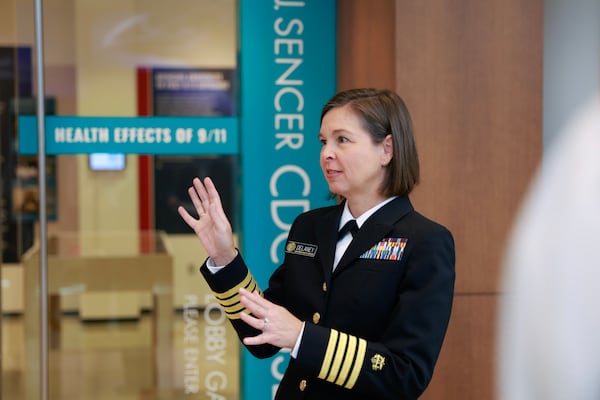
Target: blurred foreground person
[549, 322]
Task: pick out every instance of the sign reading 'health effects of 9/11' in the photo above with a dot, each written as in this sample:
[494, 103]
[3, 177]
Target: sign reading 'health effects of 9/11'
[133, 135]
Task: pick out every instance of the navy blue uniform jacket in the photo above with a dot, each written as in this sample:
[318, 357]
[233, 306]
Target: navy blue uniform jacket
[374, 326]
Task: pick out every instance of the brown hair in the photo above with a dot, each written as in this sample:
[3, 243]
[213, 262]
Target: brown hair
[383, 113]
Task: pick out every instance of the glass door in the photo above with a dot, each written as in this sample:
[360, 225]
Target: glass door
[128, 315]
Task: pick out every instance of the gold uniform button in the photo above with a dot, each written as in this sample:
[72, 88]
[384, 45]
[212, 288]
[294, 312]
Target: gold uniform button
[324, 286]
[316, 317]
[302, 385]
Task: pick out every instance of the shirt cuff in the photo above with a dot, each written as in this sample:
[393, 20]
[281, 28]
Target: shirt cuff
[213, 268]
[294, 352]
[210, 264]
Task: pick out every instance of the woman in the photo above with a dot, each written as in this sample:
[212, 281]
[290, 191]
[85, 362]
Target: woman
[365, 316]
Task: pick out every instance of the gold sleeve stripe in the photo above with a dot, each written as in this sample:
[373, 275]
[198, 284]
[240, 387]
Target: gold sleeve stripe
[333, 336]
[247, 281]
[347, 361]
[230, 299]
[343, 359]
[360, 357]
[234, 312]
[235, 299]
[339, 356]
[227, 301]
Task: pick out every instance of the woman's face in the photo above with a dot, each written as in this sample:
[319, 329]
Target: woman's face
[353, 165]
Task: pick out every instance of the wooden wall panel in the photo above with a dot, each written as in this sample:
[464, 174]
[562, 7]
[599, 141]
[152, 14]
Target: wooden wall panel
[365, 46]
[465, 369]
[471, 73]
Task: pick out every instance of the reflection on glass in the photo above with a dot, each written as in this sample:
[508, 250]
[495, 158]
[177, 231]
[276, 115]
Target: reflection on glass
[128, 319]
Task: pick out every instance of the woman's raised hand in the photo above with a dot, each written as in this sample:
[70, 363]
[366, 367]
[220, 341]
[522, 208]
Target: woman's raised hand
[212, 226]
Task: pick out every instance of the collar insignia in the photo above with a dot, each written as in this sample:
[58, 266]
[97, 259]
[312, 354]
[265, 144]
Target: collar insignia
[377, 362]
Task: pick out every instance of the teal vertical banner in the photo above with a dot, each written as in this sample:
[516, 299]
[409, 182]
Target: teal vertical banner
[287, 64]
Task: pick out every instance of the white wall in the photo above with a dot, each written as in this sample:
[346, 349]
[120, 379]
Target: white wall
[571, 60]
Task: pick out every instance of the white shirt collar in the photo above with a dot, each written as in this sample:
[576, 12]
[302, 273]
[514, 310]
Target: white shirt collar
[360, 220]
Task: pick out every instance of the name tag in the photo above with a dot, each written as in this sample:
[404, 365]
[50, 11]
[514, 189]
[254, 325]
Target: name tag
[387, 249]
[301, 249]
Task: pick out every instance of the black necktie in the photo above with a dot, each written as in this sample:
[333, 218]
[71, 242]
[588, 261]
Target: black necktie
[350, 226]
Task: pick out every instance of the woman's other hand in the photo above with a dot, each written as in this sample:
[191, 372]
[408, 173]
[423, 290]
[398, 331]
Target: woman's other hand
[279, 327]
